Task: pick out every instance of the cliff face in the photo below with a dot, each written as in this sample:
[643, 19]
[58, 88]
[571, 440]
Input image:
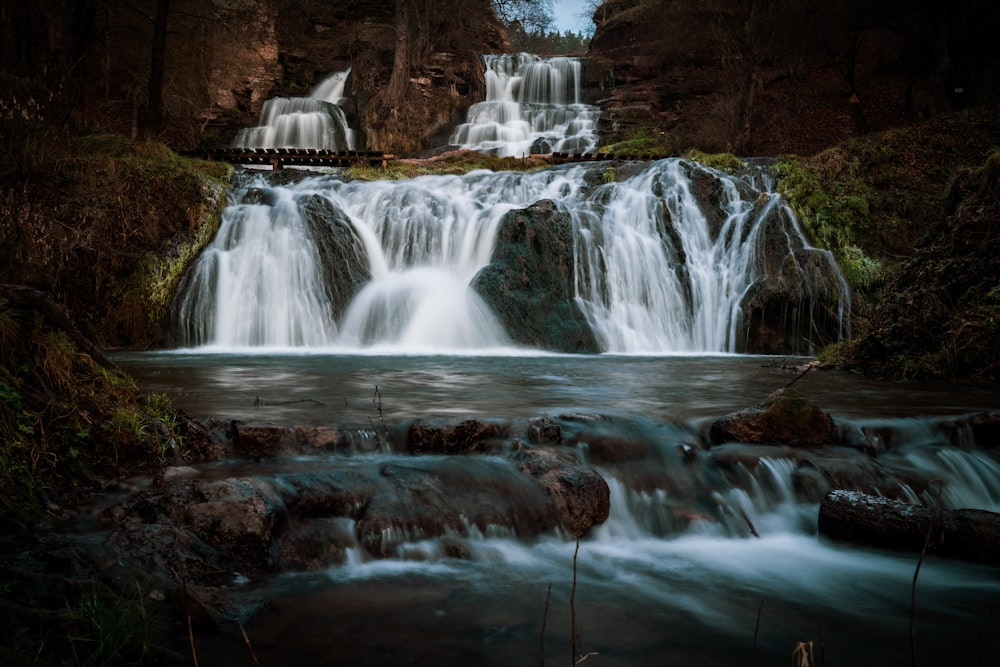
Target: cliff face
[770, 78]
[440, 53]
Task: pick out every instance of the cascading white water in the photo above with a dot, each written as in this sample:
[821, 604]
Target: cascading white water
[533, 105]
[262, 277]
[316, 121]
[651, 276]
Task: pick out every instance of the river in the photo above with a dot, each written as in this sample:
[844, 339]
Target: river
[644, 595]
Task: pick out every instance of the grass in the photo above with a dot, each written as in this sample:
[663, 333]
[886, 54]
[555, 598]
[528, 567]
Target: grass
[111, 628]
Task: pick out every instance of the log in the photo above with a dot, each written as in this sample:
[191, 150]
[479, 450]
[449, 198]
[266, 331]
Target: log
[967, 534]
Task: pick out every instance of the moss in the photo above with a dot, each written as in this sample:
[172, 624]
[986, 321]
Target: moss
[726, 162]
[641, 141]
[830, 216]
[456, 163]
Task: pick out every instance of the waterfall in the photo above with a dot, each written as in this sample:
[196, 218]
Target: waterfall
[317, 121]
[533, 105]
[657, 267]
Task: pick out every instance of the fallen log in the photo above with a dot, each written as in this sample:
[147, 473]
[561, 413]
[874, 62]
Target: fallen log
[966, 534]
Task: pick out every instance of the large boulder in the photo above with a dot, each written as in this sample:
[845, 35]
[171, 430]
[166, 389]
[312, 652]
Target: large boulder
[529, 282]
[786, 417]
[340, 249]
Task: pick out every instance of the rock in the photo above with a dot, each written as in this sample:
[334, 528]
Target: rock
[254, 441]
[529, 281]
[786, 417]
[342, 256]
[582, 497]
[240, 516]
[444, 436]
[314, 545]
[795, 307]
[451, 497]
[544, 431]
[966, 534]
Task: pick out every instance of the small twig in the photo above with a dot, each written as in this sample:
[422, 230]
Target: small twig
[753, 529]
[194, 654]
[809, 367]
[935, 521]
[756, 632]
[545, 618]
[253, 656]
[585, 656]
[822, 646]
[572, 608]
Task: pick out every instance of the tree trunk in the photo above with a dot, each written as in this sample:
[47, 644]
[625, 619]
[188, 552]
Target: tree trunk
[152, 119]
[396, 90]
[966, 534]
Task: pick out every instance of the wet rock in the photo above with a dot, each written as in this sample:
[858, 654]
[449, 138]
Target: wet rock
[326, 493]
[967, 534]
[255, 441]
[342, 257]
[444, 436]
[581, 496]
[529, 281]
[213, 608]
[314, 545]
[544, 431]
[795, 307]
[786, 417]
[239, 515]
[452, 497]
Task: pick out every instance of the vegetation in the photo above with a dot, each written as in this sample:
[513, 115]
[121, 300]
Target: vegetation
[67, 423]
[457, 162]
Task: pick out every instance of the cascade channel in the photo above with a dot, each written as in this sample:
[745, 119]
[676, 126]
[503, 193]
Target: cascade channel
[533, 105]
[317, 121]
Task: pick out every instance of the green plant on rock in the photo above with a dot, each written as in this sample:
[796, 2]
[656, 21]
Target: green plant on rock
[726, 162]
[862, 272]
[812, 204]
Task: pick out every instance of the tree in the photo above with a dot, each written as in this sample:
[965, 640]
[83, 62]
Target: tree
[532, 15]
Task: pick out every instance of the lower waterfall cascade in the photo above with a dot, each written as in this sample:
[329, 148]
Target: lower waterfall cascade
[657, 270]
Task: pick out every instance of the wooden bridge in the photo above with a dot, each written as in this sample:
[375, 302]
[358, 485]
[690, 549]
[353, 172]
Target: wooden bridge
[277, 158]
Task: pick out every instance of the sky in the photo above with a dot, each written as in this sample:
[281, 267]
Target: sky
[567, 15]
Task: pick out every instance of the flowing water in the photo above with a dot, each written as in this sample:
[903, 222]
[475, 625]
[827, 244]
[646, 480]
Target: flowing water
[647, 590]
[316, 121]
[261, 283]
[533, 105]
[661, 281]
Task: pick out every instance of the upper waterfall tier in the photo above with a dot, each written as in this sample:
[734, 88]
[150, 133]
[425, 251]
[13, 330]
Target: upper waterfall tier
[316, 121]
[672, 258]
[533, 105]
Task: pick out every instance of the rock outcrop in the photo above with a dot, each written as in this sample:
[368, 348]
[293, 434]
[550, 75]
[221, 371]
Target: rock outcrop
[529, 282]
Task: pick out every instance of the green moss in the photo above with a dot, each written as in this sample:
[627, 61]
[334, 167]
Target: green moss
[159, 273]
[457, 163]
[830, 216]
[642, 141]
[726, 162]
